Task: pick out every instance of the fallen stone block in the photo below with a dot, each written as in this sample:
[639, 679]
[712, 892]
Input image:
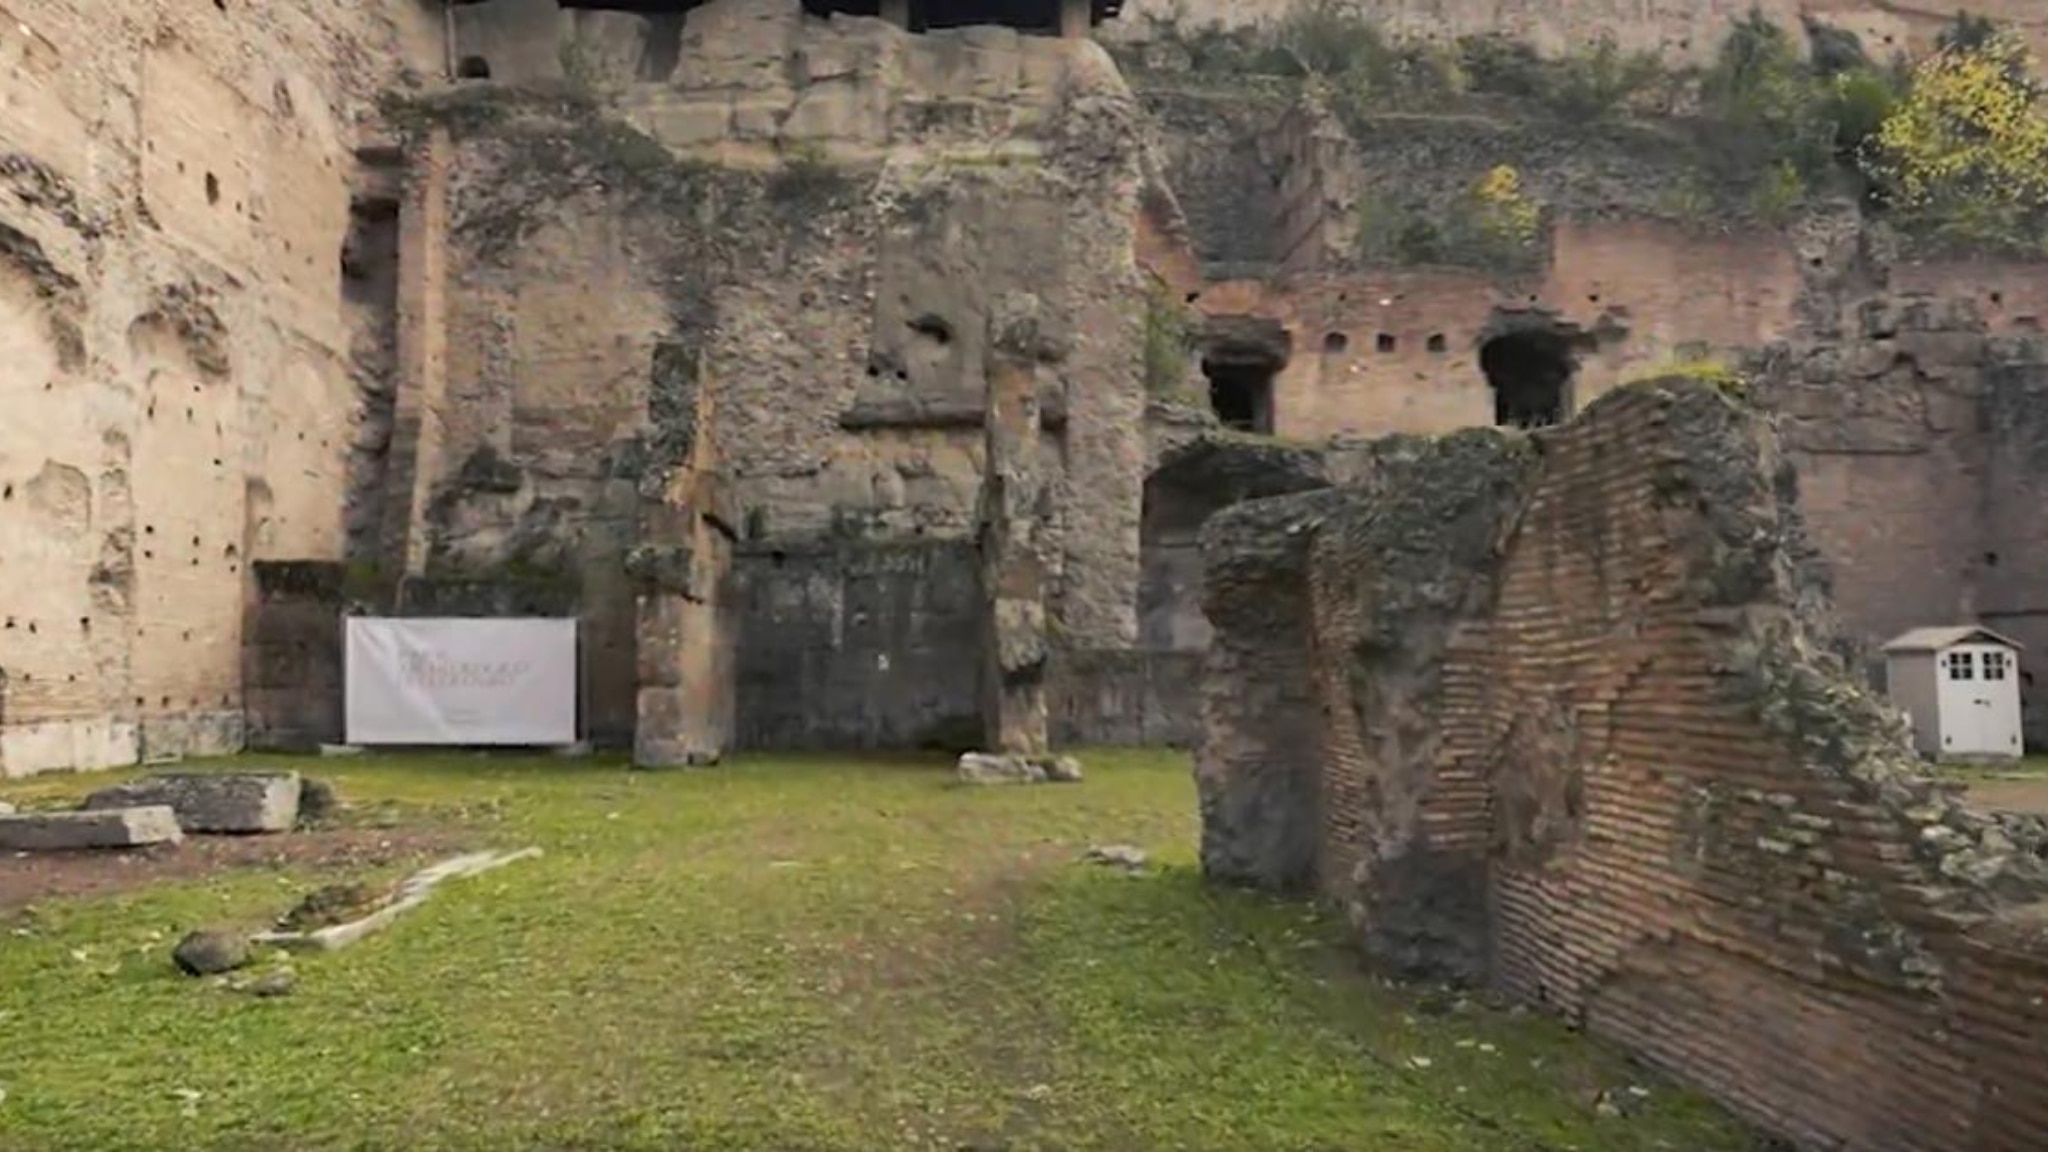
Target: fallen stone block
[106, 828]
[209, 803]
[341, 750]
[982, 768]
[6, 809]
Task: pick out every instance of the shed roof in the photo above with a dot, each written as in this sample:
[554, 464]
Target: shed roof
[1935, 639]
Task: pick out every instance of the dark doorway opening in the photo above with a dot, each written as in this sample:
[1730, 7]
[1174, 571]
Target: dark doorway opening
[1531, 374]
[473, 68]
[646, 7]
[1242, 357]
[1241, 393]
[824, 8]
[1030, 16]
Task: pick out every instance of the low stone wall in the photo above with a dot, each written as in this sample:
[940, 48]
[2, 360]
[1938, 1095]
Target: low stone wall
[1564, 715]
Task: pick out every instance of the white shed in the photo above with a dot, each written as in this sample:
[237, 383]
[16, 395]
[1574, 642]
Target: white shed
[1961, 687]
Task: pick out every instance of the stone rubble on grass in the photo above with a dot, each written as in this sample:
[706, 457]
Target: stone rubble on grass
[341, 750]
[1123, 856]
[6, 809]
[106, 828]
[215, 803]
[211, 951]
[410, 895]
[269, 986]
[982, 768]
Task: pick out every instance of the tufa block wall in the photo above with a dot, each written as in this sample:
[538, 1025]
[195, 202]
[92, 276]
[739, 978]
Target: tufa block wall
[177, 196]
[1564, 714]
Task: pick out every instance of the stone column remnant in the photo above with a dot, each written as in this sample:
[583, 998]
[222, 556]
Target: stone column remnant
[679, 567]
[1014, 561]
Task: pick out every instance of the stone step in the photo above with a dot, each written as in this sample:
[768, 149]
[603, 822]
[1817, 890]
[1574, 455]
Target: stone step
[105, 828]
[239, 803]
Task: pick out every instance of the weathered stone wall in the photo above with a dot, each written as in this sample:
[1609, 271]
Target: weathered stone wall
[292, 663]
[181, 365]
[860, 645]
[1683, 30]
[1576, 726]
[1912, 417]
[822, 213]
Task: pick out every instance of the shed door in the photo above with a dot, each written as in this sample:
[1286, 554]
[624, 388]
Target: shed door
[1979, 701]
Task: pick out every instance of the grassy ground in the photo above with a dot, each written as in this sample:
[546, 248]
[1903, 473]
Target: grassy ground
[784, 955]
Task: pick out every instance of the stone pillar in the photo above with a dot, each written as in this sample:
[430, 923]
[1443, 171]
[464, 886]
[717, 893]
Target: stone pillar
[1013, 517]
[422, 383]
[679, 567]
[1077, 19]
[896, 12]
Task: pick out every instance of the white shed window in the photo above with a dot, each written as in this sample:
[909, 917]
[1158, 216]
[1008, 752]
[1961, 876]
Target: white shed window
[1961, 665]
[1995, 665]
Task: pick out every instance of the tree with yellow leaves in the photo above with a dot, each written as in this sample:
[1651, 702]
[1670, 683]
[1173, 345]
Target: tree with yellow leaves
[1965, 155]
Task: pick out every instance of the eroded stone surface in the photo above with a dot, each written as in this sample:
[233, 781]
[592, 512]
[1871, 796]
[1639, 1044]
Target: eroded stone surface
[213, 803]
[110, 828]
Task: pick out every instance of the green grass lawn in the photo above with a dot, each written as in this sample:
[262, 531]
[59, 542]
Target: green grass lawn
[789, 955]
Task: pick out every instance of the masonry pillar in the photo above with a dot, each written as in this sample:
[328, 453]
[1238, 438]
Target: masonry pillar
[896, 12]
[1077, 19]
[1015, 502]
[422, 377]
[679, 565]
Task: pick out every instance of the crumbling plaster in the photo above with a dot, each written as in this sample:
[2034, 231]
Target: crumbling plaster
[174, 192]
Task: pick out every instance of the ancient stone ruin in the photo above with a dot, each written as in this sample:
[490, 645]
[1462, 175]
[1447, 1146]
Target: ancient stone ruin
[684, 318]
[1568, 715]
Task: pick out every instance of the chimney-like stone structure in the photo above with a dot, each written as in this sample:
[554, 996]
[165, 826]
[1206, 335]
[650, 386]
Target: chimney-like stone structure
[1013, 515]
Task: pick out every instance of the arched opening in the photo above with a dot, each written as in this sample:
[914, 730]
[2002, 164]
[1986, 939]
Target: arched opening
[1531, 375]
[473, 68]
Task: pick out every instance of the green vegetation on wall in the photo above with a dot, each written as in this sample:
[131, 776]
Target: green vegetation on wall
[1169, 346]
[1964, 158]
[1496, 225]
[1955, 146]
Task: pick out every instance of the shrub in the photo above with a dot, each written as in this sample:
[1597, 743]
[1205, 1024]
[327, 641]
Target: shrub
[1777, 198]
[1496, 225]
[1762, 107]
[1595, 82]
[1965, 154]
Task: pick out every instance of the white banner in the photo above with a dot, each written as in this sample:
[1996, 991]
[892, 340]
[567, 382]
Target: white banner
[475, 682]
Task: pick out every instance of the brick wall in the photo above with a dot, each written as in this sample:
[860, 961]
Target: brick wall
[1692, 832]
